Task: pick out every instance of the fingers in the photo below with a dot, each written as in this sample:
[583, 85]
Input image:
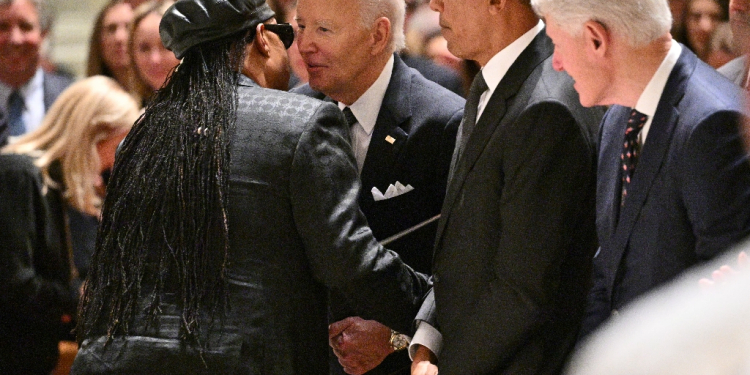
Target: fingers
[335, 329]
[423, 368]
[743, 260]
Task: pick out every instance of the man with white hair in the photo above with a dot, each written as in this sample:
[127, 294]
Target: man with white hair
[673, 184]
[403, 130]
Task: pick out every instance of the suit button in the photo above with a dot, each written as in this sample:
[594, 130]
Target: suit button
[435, 278]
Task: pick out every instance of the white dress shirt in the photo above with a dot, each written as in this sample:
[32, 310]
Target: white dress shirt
[366, 110]
[426, 335]
[649, 99]
[33, 99]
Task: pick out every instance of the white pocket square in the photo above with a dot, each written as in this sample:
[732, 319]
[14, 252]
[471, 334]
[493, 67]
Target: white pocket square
[392, 191]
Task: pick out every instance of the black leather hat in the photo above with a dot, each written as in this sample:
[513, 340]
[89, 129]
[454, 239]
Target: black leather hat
[191, 22]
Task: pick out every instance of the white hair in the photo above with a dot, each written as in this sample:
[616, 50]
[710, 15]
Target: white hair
[394, 11]
[639, 21]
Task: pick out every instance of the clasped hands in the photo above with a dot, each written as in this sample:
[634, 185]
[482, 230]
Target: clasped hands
[361, 345]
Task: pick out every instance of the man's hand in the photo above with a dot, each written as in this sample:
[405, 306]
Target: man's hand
[424, 362]
[720, 275]
[359, 344]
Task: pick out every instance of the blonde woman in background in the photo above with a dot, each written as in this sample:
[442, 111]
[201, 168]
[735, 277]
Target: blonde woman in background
[108, 47]
[48, 179]
[151, 62]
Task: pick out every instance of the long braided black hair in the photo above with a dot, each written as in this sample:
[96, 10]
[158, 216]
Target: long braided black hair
[164, 226]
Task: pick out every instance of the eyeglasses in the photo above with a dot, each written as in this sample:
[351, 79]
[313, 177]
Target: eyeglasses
[285, 32]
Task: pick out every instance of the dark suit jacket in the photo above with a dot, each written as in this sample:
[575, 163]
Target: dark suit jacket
[689, 198]
[294, 230]
[736, 70]
[423, 119]
[52, 86]
[439, 74]
[35, 289]
[515, 241]
[3, 130]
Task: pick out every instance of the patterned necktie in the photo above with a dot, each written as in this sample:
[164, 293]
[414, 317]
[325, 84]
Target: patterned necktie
[15, 112]
[631, 150]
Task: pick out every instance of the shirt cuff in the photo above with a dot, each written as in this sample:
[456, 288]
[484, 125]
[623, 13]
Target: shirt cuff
[427, 336]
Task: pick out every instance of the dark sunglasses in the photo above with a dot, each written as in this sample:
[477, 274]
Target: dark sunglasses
[285, 32]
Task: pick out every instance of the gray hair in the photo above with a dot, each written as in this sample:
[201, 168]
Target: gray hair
[46, 15]
[394, 11]
[639, 21]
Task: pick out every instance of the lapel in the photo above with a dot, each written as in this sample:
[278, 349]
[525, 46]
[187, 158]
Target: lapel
[494, 115]
[382, 155]
[654, 151]
[610, 174]
[48, 91]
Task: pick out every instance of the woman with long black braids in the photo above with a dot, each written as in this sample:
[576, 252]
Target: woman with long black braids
[231, 208]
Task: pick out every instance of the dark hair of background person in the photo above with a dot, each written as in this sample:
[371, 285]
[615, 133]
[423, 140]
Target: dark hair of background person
[179, 150]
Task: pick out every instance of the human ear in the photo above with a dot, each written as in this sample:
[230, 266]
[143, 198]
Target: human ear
[381, 35]
[596, 37]
[261, 42]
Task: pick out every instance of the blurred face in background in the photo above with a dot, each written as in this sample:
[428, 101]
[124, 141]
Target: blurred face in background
[152, 61]
[702, 18]
[21, 36]
[739, 18]
[114, 38]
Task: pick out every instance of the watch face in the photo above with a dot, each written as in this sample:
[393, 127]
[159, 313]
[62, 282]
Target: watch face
[399, 342]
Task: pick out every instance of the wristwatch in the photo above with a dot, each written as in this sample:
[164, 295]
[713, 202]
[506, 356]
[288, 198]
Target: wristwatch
[398, 341]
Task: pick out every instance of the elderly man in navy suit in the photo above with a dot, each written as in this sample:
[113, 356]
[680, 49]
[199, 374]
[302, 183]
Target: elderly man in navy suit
[403, 131]
[673, 179]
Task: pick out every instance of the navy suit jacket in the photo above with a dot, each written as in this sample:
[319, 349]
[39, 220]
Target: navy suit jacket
[689, 198]
[423, 118]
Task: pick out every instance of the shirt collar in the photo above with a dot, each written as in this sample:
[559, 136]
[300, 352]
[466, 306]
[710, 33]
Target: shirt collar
[499, 64]
[367, 107]
[649, 99]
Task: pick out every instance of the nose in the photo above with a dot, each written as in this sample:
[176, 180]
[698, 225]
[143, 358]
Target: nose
[155, 57]
[706, 23]
[16, 35]
[436, 5]
[304, 43]
[121, 35]
[556, 62]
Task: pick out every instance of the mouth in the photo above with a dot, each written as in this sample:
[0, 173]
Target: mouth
[313, 67]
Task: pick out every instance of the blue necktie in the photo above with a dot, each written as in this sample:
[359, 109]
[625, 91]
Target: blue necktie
[15, 111]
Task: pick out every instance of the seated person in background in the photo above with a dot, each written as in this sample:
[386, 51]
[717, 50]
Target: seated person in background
[739, 19]
[26, 91]
[108, 48]
[701, 20]
[45, 177]
[151, 62]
